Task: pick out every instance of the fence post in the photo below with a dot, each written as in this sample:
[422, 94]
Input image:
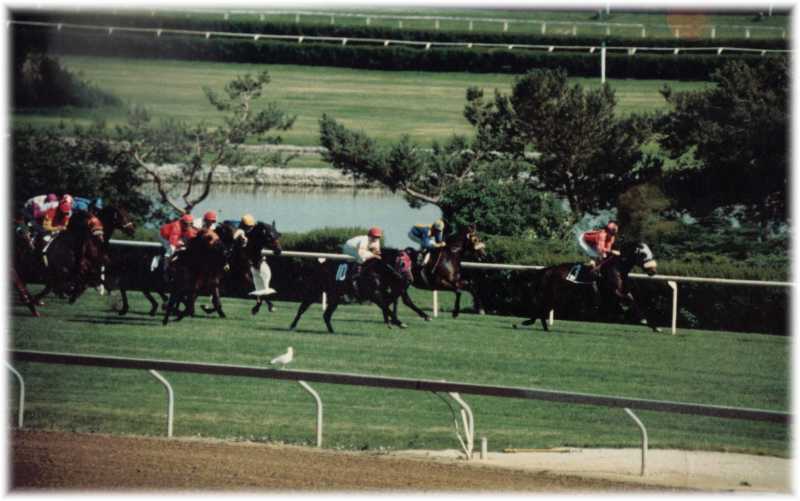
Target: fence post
[170, 399]
[435, 303]
[643, 431]
[319, 410]
[674, 286]
[21, 412]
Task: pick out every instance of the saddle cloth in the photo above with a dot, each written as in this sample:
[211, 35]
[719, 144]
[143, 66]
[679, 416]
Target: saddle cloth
[580, 274]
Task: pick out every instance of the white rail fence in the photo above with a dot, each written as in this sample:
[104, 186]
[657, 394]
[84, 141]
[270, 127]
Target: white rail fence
[158, 32]
[561, 27]
[452, 389]
[671, 280]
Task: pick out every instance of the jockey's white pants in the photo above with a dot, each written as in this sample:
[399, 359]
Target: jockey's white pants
[588, 249]
[261, 279]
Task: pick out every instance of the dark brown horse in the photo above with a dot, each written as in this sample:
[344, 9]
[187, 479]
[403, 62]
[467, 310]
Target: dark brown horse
[197, 270]
[566, 282]
[381, 281]
[23, 251]
[443, 268]
[242, 259]
[75, 258]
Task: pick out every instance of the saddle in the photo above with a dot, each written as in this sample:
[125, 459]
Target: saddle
[581, 274]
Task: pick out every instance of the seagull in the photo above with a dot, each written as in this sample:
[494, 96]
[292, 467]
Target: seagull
[283, 359]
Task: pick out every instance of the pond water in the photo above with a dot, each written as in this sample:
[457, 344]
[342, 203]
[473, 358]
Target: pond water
[297, 209]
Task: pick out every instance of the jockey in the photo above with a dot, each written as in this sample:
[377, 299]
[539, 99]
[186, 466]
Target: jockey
[262, 274]
[365, 248]
[57, 218]
[208, 222]
[428, 236]
[35, 208]
[174, 235]
[597, 244]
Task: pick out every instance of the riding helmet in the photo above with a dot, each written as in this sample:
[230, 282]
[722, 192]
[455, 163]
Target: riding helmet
[187, 218]
[66, 203]
[612, 227]
[248, 220]
[210, 216]
[439, 225]
[375, 232]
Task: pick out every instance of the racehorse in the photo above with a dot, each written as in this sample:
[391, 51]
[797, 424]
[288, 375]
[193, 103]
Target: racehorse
[23, 253]
[381, 281]
[74, 258]
[241, 260]
[612, 283]
[443, 269]
[115, 218]
[198, 269]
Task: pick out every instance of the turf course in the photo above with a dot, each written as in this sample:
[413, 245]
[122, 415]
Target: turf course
[387, 105]
[744, 370]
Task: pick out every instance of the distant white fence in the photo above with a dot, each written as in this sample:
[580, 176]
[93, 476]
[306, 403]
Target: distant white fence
[671, 280]
[561, 27]
[158, 32]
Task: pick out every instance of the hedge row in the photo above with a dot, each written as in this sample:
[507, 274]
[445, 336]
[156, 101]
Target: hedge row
[701, 306]
[639, 66]
[380, 32]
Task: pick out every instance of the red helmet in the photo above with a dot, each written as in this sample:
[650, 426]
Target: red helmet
[210, 216]
[612, 227]
[375, 232]
[187, 218]
[66, 203]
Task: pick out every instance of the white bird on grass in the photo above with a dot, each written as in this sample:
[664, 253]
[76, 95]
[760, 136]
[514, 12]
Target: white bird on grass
[283, 359]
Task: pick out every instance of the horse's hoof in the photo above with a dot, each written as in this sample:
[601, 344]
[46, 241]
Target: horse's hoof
[656, 329]
[253, 310]
[427, 318]
[222, 315]
[514, 326]
[402, 325]
[271, 308]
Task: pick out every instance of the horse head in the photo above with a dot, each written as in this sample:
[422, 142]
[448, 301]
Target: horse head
[473, 242]
[114, 218]
[639, 254]
[265, 236]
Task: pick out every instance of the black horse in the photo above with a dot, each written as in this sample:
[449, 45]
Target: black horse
[443, 268]
[242, 259]
[197, 270]
[612, 283]
[381, 281]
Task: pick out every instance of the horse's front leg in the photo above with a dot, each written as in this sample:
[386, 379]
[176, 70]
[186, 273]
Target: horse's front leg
[302, 309]
[408, 302]
[328, 314]
[124, 296]
[216, 302]
[643, 319]
[457, 307]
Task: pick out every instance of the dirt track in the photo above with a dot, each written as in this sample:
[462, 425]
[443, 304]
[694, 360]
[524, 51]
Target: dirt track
[72, 461]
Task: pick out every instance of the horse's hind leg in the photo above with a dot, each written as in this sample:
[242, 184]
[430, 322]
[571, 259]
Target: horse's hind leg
[328, 314]
[302, 309]
[257, 306]
[153, 302]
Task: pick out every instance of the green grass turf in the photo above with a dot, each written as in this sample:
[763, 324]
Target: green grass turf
[732, 369]
[386, 105]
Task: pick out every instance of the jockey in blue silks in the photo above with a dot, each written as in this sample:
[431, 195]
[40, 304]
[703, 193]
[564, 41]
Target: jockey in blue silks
[428, 236]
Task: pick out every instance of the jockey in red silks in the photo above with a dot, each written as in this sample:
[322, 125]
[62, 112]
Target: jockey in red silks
[597, 244]
[176, 234]
[57, 218]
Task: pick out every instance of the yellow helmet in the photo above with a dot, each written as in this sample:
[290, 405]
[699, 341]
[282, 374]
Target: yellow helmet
[439, 225]
[248, 220]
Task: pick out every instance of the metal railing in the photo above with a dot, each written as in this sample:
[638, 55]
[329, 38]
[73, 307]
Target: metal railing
[671, 280]
[158, 32]
[452, 389]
